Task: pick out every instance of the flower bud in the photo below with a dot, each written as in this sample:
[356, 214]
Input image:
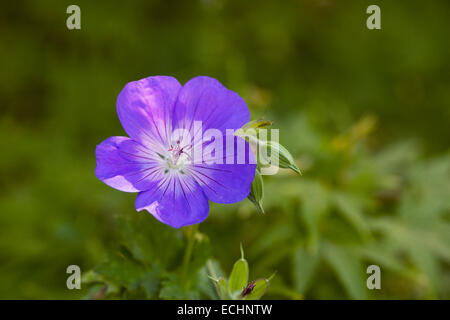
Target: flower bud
[257, 191]
[285, 159]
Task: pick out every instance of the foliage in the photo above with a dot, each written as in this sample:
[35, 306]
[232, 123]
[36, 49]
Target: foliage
[364, 113]
[147, 265]
[366, 210]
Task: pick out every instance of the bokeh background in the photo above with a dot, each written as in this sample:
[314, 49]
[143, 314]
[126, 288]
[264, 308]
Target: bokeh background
[364, 112]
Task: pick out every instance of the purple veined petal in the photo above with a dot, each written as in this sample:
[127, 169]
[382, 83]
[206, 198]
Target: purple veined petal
[149, 165]
[176, 201]
[129, 173]
[228, 180]
[206, 99]
[145, 108]
[111, 166]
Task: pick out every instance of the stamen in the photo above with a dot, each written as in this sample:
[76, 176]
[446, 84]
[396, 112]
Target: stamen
[176, 151]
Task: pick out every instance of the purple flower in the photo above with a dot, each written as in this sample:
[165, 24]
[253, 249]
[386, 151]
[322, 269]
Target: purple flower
[158, 163]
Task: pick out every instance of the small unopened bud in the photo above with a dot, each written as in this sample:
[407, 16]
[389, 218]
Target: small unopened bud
[257, 191]
[285, 159]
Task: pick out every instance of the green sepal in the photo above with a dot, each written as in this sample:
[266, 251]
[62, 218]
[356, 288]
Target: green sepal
[259, 289]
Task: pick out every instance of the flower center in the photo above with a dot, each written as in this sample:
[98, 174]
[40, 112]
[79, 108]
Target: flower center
[177, 155]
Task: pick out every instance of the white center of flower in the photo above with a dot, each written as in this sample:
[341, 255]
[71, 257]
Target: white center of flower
[177, 157]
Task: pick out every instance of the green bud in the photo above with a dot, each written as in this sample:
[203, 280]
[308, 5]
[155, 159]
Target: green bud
[285, 159]
[239, 276]
[257, 191]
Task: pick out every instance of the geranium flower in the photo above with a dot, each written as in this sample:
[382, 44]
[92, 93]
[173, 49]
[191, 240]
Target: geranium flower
[158, 164]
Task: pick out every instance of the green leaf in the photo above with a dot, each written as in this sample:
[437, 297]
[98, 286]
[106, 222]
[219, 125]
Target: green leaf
[216, 275]
[260, 288]
[203, 284]
[304, 267]
[150, 283]
[348, 269]
[383, 254]
[352, 210]
[257, 191]
[172, 289]
[121, 271]
[214, 269]
[150, 240]
[427, 262]
[315, 204]
[222, 289]
[91, 277]
[200, 253]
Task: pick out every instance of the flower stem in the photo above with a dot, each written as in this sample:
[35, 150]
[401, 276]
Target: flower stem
[188, 253]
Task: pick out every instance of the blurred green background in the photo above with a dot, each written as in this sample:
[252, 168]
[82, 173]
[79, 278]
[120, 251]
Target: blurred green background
[365, 113]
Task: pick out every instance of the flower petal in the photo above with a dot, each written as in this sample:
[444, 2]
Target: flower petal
[120, 165]
[230, 180]
[145, 108]
[177, 201]
[206, 99]
[111, 166]
[148, 169]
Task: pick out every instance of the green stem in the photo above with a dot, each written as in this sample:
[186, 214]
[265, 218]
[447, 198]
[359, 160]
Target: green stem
[188, 252]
